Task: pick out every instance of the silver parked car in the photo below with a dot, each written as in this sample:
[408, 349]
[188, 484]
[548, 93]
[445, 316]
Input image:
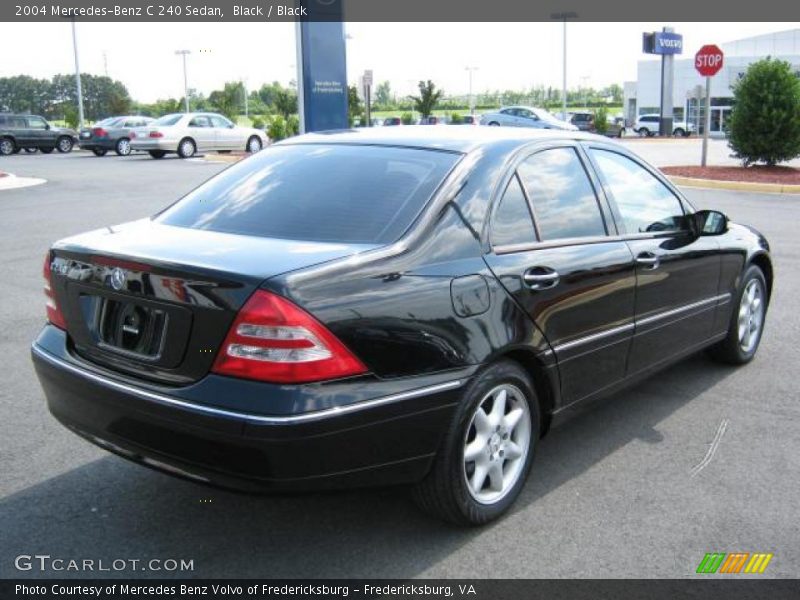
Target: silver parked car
[113, 133]
[525, 116]
[190, 133]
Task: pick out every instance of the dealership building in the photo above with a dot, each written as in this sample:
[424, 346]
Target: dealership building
[643, 95]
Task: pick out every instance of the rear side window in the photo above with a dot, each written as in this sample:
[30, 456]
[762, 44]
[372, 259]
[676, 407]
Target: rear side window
[167, 120]
[564, 202]
[645, 204]
[324, 193]
[512, 223]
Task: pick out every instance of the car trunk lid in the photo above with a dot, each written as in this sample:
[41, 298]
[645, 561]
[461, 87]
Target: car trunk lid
[156, 301]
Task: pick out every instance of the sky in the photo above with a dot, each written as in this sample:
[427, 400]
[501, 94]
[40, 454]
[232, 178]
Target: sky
[507, 55]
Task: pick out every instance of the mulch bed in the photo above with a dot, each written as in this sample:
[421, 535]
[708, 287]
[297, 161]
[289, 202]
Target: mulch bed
[753, 174]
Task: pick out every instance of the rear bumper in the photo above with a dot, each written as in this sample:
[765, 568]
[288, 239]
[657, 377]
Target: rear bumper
[387, 439]
[91, 144]
[147, 144]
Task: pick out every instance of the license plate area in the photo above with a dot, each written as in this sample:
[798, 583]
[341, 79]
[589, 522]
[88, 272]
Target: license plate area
[126, 330]
[130, 328]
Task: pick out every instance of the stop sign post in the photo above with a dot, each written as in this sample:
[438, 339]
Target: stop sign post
[708, 61]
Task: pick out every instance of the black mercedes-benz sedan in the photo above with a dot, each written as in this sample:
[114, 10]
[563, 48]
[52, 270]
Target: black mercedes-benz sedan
[402, 305]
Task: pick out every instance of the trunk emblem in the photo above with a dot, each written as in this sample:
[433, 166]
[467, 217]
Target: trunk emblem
[118, 278]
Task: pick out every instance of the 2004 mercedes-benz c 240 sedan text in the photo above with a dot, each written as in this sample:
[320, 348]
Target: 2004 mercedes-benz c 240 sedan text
[390, 306]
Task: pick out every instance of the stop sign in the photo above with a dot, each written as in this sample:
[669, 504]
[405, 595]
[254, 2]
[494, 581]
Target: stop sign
[708, 60]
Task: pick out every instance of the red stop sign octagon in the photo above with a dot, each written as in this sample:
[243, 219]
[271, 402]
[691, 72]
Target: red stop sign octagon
[708, 60]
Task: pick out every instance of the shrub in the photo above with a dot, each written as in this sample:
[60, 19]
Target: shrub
[292, 125]
[764, 125]
[601, 120]
[456, 118]
[407, 118]
[276, 130]
[258, 123]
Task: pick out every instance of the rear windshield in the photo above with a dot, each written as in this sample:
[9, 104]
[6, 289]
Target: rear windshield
[322, 193]
[167, 120]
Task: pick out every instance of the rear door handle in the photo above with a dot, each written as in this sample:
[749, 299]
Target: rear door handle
[540, 278]
[648, 260]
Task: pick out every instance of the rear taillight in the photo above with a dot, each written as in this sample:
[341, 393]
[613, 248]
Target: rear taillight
[156, 134]
[54, 314]
[133, 134]
[272, 339]
[99, 132]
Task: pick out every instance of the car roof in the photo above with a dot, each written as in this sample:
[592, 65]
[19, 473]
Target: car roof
[453, 139]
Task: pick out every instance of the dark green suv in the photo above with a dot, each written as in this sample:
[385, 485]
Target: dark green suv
[33, 132]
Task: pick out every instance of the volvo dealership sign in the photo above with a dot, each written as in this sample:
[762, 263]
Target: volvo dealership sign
[322, 69]
[662, 42]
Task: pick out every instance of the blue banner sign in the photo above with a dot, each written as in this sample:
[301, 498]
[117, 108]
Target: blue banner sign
[323, 78]
[662, 42]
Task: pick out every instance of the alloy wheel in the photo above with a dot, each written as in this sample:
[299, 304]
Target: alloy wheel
[254, 145]
[497, 443]
[124, 147]
[6, 147]
[751, 315]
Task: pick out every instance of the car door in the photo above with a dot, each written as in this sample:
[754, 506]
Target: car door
[227, 135]
[202, 132]
[677, 271]
[528, 118]
[22, 133]
[552, 251]
[508, 117]
[38, 133]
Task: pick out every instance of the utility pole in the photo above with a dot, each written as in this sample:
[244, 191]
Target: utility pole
[183, 54]
[563, 16]
[471, 97]
[77, 75]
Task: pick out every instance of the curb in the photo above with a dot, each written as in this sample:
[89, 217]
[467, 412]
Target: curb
[738, 186]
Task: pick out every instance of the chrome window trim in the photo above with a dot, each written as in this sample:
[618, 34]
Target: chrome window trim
[248, 417]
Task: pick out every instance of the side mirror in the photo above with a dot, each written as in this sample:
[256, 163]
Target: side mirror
[47, 126]
[710, 222]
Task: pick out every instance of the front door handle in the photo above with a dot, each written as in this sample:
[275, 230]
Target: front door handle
[540, 278]
[648, 260]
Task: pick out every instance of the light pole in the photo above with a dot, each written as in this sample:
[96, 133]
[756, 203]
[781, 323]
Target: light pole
[471, 99]
[183, 54]
[77, 74]
[564, 16]
[243, 80]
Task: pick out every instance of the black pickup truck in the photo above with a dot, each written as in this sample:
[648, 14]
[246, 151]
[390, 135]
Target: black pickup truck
[31, 132]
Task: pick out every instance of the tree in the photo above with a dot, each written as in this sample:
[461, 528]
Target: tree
[354, 108]
[764, 125]
[383, 93]
[285, 102]
[228, 100]
[428, 97]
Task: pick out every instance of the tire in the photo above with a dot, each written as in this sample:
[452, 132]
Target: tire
[17, 150]
[621, 132]
[64, 144]
[494, 124]
[446, 492]
[46, 150]
[747, 318]
[7, 146]
[187, 148]
[679, 132]
[123, 147]
[99, 151]
[253, 144]
[157, 153]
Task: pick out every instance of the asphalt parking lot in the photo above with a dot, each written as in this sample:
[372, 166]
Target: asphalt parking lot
[613, 493]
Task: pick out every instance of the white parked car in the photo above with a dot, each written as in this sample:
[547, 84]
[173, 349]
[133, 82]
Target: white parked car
[190, 133]
[525, 116]
[648, 125]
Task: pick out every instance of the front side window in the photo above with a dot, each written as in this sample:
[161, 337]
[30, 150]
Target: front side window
[644, 203]
[217, 121]
[512, 223]
[37, 123]
[564, 202]
[317, 192]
